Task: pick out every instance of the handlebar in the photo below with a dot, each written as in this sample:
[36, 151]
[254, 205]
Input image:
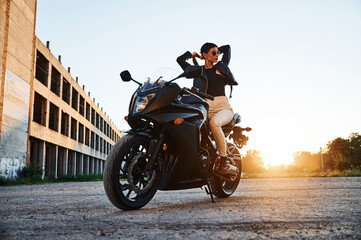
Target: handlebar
[201, 94]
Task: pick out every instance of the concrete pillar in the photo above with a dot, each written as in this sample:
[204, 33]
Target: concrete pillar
[47, 107]
[49, 75]
[74, 164]
[96, 165]
[81, 164]
[61, 88]
[72, 155]
[56, 162]
[42, 157]
[86, 162]
[91, 166]
[60, 162]
[66, 160]
[100, 166]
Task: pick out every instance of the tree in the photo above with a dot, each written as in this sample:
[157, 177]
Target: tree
[345, 153]
[306, 160]
[355, 149]
[253, 162]
[341, 154]
[339, 146]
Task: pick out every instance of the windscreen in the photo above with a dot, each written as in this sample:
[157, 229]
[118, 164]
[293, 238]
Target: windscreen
[152, 83]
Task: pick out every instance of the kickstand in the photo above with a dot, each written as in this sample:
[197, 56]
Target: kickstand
[209, 190]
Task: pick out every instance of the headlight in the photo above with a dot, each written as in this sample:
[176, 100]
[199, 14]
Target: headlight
[142, 102]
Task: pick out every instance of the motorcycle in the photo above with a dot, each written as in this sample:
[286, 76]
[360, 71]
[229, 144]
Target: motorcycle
[169, 145]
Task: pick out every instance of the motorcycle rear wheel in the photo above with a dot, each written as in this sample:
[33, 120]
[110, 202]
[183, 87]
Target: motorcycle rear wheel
[125, 184]
[221, 187]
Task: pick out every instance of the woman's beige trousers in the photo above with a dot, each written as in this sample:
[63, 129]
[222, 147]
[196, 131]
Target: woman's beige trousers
[219, 114]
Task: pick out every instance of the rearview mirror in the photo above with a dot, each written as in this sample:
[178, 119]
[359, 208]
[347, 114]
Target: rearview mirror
[125, 75]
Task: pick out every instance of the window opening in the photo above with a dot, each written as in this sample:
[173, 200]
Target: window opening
[87, 111]
[93, 116]
[65, 124]
[39, 113]
[66, 91]
[81, 105]
[74, 99]
[54, 117]
[97, 120]
[42, 68]
[55, 81]
[73, 128]
[87, 136]
[96, 142]
[92, 140]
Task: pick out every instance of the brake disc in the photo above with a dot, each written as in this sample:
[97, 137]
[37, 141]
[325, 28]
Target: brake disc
[134, 180]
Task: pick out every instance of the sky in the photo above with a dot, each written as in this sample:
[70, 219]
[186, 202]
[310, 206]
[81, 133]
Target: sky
[297, 62]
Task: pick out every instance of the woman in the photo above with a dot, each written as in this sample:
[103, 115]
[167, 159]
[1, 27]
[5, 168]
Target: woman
[215, 76]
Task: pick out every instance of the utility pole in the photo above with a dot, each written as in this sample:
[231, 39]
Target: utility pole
[321, 158]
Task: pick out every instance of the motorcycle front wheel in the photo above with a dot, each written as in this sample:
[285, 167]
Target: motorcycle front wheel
[127, 186]
[222, 187]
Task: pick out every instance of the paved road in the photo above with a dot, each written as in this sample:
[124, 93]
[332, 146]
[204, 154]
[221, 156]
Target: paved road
[311, 208]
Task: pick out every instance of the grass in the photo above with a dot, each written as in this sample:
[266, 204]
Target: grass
[64, 178]
[99, 177]
[334, 173]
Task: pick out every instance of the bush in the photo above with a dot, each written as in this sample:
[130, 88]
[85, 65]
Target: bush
[31, 171]
[3, 181]
[341, 162]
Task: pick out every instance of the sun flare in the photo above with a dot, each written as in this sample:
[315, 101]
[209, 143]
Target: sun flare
[273, 157]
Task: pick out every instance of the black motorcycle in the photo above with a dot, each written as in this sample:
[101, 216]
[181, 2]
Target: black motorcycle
[169, 146]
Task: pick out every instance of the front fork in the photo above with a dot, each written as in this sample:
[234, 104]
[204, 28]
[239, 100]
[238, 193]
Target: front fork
[154, 149]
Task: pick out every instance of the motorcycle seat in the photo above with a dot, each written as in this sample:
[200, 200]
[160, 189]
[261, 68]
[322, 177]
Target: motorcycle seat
[236, 119]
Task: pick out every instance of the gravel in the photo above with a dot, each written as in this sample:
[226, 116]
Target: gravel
[279, 208]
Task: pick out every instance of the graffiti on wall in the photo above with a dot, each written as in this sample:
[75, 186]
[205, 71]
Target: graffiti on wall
[9, 167]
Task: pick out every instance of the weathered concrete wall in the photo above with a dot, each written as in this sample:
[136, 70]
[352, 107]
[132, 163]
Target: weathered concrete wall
[13, 142]
[17, 44]
[3, 23]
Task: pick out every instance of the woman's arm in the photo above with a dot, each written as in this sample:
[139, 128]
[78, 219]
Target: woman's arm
[194, 56]
[226, 50]
[182, 60]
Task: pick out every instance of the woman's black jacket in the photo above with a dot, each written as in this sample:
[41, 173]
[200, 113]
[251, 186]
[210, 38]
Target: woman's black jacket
[201, 82]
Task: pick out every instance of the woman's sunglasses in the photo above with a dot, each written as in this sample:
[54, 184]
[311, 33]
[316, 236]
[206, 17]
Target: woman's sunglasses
[214, 53]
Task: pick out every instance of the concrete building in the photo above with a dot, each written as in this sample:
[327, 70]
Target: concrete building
[45, 116]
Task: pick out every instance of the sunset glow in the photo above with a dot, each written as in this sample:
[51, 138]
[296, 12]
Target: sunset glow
[276, 158]
[298, 77]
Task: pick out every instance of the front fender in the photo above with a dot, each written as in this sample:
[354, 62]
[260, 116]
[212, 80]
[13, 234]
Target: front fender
[141, 132]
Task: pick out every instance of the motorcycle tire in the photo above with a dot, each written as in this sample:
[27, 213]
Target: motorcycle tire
[221, 187]
[124, 181]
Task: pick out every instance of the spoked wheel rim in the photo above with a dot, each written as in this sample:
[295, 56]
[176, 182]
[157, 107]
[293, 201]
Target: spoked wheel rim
[134, 182]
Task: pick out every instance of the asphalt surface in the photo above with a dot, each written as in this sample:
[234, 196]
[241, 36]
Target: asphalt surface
[297, 208]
